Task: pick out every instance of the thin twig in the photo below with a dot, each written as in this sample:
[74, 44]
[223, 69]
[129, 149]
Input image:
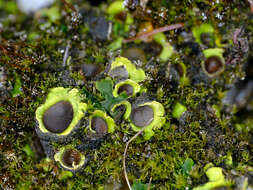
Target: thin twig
[66, 54]
[125, 151]
[157, 30]
[149, 183]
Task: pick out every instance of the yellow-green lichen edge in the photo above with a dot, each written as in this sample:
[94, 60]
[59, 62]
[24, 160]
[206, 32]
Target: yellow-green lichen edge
[216, 179]
[167, 49]
[213, 52]
[58, 158]
[109, 121]
[184, 80]
[56, 95]
[134, 74]
[127, 106]
[203, 28]
[135, 85]
[157, 122]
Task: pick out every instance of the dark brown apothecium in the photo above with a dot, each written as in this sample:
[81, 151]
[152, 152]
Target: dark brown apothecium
[57, 118]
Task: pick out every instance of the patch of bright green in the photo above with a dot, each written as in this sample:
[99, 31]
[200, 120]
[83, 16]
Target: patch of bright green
[187, 166]
[135, 85]
[127, 106]
[65, 175]
[134, 74]
[137, 185]
[216, 179]
[105, 87]
[116, 44]
[115, 7]
[17, 90]
[217, 110]
[109, 121]
[197, 31]
[58, 158]
[167, 49]
[53, 13]
[27, 149]
[10, 6]
[178, 110]
[229, 160]
[62, 94]
[158, 120]
[213, 52]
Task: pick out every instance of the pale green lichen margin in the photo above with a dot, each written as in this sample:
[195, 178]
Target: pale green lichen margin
[58, 158]
[128, 108]
[135, 85]
[110, 122]
[216, 179]
[157, 122]
[116, 7]
[214, 52]
[167, 49]
[62, 94]
[134, 74]
[203, 28]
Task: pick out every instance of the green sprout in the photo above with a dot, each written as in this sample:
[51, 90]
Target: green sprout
[134, 74]
[109, 121]
[178, 110]
[62, 94]
[216, 179]
[167, 49]
[157, 121]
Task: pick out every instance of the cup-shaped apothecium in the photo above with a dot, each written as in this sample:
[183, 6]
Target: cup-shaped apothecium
[60, 115]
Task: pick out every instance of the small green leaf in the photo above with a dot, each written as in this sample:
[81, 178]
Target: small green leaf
[27, 149]
[187, 166]
[105, 87]
[16, 87]
[137, 185]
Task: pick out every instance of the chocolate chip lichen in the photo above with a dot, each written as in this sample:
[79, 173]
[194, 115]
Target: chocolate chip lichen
[142, 116]
[128, 87]
[149, 115]
[70, 158]
[214, 63]
[100, 123]
[60, 114]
